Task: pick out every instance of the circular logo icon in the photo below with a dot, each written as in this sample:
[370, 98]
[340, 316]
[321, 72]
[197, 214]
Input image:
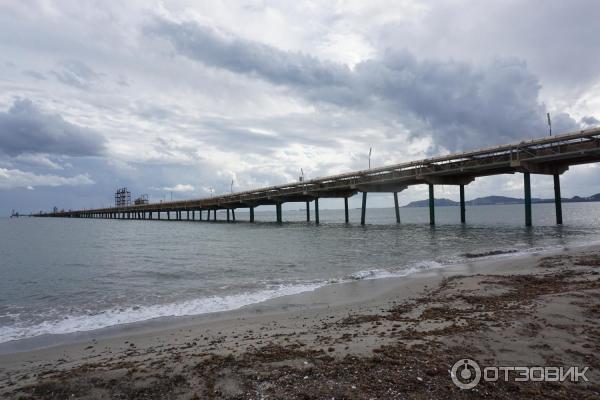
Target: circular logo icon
[465, 373]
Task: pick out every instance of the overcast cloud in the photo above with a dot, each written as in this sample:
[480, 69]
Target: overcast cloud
[24, 128]
[184, 96]
[459, 104]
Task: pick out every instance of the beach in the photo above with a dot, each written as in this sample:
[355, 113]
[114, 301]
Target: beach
[381, 338]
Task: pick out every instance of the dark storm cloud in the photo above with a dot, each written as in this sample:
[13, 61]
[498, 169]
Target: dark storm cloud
[460, 104]
[25, 129]
[242, 56]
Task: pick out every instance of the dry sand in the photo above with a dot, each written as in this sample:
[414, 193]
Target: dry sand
[380, 339]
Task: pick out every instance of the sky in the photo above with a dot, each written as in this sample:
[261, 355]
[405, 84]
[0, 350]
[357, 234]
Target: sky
[178, 99]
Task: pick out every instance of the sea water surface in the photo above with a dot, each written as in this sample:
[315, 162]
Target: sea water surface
[61, 276]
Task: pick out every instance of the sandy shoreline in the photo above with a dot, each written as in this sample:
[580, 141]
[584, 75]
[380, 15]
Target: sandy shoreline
[335, 294]
[513, 310]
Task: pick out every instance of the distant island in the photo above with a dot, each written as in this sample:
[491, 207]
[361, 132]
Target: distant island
[495, 200]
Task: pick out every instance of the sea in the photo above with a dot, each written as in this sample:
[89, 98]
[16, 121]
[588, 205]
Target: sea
[61, 276]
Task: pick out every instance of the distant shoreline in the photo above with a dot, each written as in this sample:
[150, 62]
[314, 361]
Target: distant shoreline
[499, 200]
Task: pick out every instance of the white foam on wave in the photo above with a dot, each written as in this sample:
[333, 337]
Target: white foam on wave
[126, 315]
[384, 273]
[118, 316]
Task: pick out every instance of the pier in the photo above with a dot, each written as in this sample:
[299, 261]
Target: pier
[552, 155]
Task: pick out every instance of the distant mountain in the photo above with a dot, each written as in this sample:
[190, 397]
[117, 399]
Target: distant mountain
[437, 202]
[481, 201]
[494, 200]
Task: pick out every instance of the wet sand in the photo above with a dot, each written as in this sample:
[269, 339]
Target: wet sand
[384, 338]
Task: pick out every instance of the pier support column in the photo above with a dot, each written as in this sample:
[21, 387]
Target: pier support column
[463, 218]
[527, 185]
[346, 210]
[188, 214]
[214, 215]
[431, 206]
[158, 215]
[557, 199]
[251, 214]
[233, 214]
[396, 207]
[169, 215]
[317, 211]
[193, 215]
[228, 215]
[200, 215]
[278, 212]
[308, 211]
[363, 211]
